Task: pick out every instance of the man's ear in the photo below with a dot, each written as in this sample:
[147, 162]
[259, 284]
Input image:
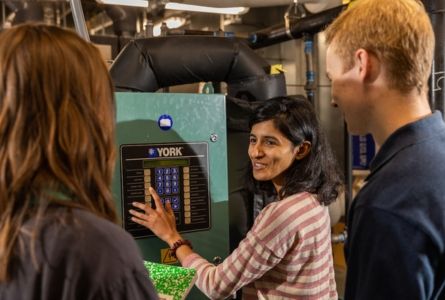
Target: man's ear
[302, 150]
[368, 65]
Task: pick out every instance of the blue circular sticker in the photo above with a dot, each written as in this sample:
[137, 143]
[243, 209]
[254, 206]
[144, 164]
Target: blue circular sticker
[165, 122]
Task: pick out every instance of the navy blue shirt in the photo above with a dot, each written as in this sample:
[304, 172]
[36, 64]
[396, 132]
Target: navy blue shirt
[396, 224]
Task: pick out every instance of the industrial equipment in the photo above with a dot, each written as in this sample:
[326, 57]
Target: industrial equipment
[176, 143]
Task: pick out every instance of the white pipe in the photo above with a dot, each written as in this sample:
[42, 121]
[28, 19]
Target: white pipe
[256, 3]
[237, 3]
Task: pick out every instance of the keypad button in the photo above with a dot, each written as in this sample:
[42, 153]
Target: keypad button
[167, 171]
[167, 183]
[159, 178]
[168, 191]
[175, 190]
[175, 199]
[159, 184]
[159, 171]
[175, 177]
[160, 191]
[175, 170]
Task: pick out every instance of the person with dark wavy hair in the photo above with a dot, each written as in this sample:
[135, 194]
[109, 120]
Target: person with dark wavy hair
[58, 234]
[318, 172]
[287, 253]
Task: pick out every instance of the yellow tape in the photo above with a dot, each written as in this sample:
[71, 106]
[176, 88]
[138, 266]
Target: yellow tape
[276, 69]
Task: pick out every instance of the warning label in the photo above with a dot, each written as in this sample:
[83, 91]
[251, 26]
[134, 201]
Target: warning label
[166, 258]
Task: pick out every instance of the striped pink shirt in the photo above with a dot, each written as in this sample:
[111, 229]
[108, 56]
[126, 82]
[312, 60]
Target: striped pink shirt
[286, 255]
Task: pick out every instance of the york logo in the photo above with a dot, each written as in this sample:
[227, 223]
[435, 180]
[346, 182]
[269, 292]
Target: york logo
[165, 151]
[152, 152]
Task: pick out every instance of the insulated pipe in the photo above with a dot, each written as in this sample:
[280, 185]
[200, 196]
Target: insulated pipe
[146, 65]
[436, 11]
[124, 19]
[311, 24]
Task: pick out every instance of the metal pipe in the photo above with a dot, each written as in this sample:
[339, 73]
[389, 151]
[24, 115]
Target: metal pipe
[309, 87]
[236, 3]
[311, 24]
[79, 19]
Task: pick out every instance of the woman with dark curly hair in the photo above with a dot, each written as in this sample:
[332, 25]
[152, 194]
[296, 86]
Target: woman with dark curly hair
[287, 253]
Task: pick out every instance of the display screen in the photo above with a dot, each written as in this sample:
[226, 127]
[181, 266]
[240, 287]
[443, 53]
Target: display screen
[165, 163]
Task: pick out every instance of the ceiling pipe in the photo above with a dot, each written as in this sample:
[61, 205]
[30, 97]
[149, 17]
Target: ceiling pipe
[296, 28]
[312, 5]
[124, 19]
[235, 3]
[146, 65]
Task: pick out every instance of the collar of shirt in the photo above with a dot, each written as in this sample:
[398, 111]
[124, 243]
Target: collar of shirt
[410, 134]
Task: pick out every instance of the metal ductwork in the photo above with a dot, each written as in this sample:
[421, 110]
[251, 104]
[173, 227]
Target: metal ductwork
[295, 29]
[146, 65]
[436, 11]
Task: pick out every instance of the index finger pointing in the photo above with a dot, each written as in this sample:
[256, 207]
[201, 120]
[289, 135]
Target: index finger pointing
[159, 206]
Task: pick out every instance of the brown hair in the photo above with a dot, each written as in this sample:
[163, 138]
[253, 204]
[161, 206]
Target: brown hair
[56, 129]
[398, 32]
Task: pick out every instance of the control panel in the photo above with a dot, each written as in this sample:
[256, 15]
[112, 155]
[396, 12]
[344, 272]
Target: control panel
[179, 174]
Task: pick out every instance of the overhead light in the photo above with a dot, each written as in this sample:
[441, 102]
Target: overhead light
[138, 3]
[172, 23]
[207, 9]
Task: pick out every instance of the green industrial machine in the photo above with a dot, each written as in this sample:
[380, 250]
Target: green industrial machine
[176, 143]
